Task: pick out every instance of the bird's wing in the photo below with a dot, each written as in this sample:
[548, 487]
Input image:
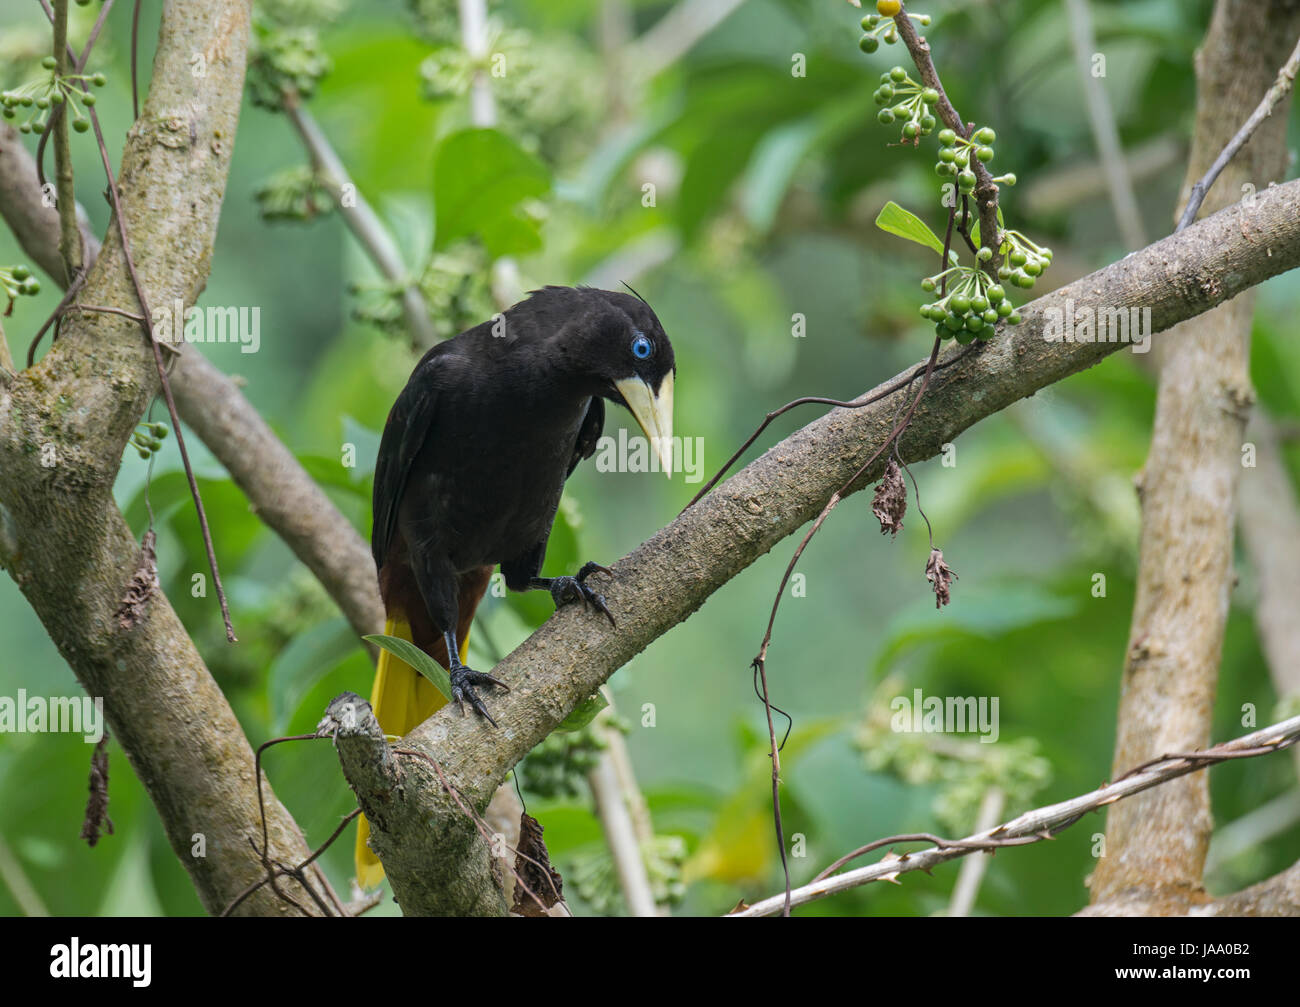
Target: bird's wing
[589, 434]
[405, 432]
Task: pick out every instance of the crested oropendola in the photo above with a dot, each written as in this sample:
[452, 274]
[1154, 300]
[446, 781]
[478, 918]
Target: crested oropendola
[470, 470]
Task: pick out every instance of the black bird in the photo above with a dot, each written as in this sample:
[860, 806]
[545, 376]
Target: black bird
[471, 467]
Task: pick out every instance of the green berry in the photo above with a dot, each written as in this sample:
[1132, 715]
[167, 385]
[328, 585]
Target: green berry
[943, 170]
[1014, 318]
[49, 62]
[985, 136]
[88, 100]
[928, 122]
[897, 74]
[995, 294]
[143, 453]
[42, 102]
[947, 137]
[975, 323]
[928, 284]
[1033, 268]
[57, 97]
[985, 154]
[1018, 258]
[966, 181]
[99, 80]
[31, 286]
[20, 272]
[979, 303]
[965, 336]
[959, 303]
[1005, 309]
[991, 316]
[891, 37]
[912, 130]
[868, 44]
[1046, 253]
[953, 323]
[930, 96]
[984, 254]
[885, 116]
[947, 155]
[81, 125]
[870, 21]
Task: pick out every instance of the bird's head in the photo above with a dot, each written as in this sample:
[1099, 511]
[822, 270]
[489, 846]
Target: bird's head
[625, 356]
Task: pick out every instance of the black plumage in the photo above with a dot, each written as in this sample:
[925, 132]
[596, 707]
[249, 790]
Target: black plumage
[480, 441]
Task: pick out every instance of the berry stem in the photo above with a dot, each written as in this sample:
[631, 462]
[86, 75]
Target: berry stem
[986, 190]
[70, 247]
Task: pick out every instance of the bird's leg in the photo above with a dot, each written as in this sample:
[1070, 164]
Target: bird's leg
[568, 589]
[463, 679]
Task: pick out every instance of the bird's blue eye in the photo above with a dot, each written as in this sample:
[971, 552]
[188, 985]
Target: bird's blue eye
[642, 347]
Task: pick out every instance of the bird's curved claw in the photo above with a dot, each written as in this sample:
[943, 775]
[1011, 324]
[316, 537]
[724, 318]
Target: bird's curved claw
[463, 682]
[569, 589]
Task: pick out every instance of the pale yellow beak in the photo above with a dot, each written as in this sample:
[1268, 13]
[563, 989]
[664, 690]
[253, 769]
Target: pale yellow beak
[654, 414]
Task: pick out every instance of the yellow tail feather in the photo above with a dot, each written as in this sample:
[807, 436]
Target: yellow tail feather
[402, 700]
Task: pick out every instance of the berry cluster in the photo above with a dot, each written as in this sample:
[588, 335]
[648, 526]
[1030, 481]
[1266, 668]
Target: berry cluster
[557, 767]
[880, 25]
[283, 60]
[18, 280]
[1025, 261]
[955, 153]
[148, 438]
[45, 94]
[915, 104]
[293, 194]
[972, 308]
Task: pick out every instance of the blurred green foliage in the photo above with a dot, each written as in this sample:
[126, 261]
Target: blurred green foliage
[764, 188]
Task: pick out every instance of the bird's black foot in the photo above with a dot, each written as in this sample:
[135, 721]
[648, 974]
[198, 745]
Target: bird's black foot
[463, 682]
[569, 589]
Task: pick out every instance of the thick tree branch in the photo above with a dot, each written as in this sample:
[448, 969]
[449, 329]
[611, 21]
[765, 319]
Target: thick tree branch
[667, 578]
[277, 486]
[1158, 843]
[63, 426]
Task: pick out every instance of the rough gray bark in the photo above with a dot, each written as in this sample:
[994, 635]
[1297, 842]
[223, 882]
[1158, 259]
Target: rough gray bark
[63, 426]
[210, 403]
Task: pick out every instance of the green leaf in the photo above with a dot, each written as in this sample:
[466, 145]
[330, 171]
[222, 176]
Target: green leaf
[480, 178]
[416, 658]
[584, 714]
[895, 220]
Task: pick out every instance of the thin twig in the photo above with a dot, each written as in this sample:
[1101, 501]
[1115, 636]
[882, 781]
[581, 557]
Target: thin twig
[986, 190]
[1031, 827]
[884, 393]
[1280, 89]
[69, 233]
[361, 220]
